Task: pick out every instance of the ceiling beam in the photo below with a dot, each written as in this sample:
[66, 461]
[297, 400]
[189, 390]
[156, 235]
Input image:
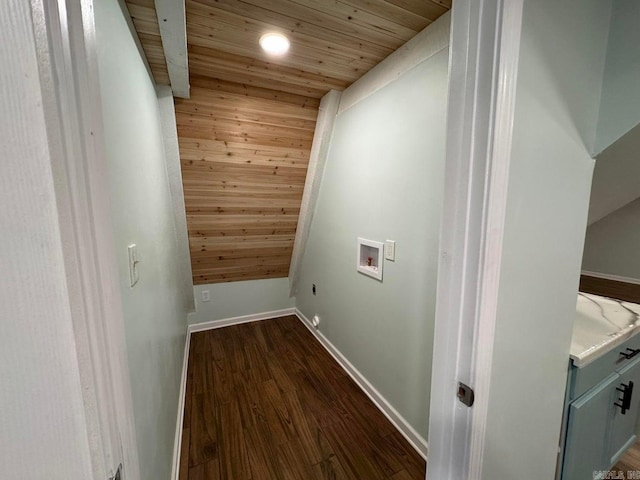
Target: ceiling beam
[173, 31]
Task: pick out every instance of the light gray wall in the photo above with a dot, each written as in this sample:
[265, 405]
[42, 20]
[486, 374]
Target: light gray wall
[611, 246]
[620, 102]
[43, 432]
[236, 299]
[559, 76]
[154, 310]
[615, 178]
[383, 179]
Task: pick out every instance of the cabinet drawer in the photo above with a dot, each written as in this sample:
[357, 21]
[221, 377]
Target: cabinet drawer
[582, 379]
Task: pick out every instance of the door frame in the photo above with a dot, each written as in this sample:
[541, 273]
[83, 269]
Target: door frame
[483, 65]
[67, 61]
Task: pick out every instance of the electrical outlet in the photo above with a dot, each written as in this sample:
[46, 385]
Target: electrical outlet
[206, 296]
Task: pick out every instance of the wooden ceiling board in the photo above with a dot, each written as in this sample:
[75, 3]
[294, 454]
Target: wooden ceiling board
[327, 44]
[244, 154]
[145, 21]
[231, 88]
[245, 134]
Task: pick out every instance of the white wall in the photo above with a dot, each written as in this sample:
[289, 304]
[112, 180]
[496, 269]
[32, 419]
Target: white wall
[143, 213]
[620, 102]
[383, 179]
[43, 432]
[236, 299]
[559, 76]
[611, 245]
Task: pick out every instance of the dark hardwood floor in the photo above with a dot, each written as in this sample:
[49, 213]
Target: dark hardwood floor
[265, 401]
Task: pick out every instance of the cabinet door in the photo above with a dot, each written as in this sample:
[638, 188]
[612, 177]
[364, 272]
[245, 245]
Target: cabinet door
[623, 431]
[587, 433]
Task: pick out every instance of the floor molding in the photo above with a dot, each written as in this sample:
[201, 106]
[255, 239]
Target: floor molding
[177, 444]
[225, 322]
[615, 278]
[398, 421]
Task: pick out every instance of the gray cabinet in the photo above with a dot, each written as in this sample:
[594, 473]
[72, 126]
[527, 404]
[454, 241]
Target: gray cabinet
[603, 399]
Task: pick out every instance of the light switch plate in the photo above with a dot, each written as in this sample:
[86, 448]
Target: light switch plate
[133, 263]
[390, 250]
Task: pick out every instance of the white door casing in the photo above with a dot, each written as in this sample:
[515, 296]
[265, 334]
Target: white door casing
[484, 52]
[65, 39]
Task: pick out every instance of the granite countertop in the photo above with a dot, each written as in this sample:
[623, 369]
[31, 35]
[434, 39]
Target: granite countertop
[601, 324]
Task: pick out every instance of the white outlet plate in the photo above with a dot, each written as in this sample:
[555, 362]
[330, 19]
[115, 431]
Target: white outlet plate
[206, 296]
[390, 250]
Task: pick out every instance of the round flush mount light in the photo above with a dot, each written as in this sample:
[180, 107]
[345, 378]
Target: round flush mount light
[274, 43]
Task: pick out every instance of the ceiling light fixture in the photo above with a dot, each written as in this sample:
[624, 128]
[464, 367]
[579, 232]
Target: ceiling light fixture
[274, 43]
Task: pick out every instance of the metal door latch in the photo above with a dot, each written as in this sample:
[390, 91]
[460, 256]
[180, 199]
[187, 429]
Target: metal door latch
[465, 394]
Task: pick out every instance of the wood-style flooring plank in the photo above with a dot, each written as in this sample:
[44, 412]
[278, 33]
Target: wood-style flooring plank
[203, 440]
[184, 454]
[330, 469]
[267, 401]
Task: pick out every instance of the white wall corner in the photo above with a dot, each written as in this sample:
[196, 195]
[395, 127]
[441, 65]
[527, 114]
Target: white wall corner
[173, 31]
[317, 160]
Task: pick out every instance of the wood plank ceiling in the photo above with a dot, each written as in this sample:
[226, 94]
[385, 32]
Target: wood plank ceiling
[245, 134]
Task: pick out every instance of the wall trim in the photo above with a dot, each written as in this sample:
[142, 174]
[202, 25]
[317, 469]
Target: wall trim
[327, 114]
[226, 322]
[398, 421]
[173, 32]
[182, 393]
[176, 191]
[506, 59]
[606, 276]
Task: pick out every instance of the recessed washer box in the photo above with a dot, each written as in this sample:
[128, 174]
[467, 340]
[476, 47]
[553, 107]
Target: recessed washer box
[370, 258]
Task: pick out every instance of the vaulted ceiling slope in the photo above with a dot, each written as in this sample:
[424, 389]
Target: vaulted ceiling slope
[245, 134]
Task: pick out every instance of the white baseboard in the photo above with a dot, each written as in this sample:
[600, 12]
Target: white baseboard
[177, 444]
[606, 276]
[398, 421]
[225, 322]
